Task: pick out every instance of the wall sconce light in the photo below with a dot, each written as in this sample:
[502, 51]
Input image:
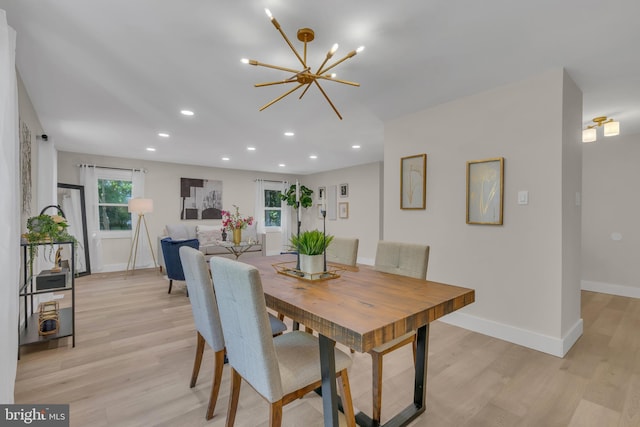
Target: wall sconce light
[611, 128]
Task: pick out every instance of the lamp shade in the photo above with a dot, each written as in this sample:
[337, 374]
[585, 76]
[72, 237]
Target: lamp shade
[612, 129]
[140, 206]
[589, 135]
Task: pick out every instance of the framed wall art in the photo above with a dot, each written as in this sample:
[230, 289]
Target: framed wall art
[485, 183]
[413, 182]
[343, 210]
[344, 190]
[200, 199]
[322, 193]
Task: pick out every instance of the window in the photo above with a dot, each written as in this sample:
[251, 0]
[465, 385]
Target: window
[272, 205]
[114, 192]
[112, 204]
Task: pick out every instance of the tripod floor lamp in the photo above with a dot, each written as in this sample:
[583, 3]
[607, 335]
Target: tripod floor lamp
[141, 207]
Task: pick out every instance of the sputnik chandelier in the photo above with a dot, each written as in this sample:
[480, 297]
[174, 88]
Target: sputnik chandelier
[304, 76]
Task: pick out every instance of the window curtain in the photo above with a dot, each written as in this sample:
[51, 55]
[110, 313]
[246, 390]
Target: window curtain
[143, 256]
[89, 179]
[285, 219]
[9, 211]
[259, 207]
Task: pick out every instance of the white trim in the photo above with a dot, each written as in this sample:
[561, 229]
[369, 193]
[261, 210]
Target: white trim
[534, 340]
[611, 288]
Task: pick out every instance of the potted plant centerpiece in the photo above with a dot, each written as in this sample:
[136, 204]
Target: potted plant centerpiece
[311, 246]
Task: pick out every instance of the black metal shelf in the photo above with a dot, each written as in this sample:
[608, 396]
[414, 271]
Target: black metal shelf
[28, 333]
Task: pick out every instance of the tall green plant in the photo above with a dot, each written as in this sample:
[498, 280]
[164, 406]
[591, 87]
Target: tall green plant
[289, 196]
[311, 242]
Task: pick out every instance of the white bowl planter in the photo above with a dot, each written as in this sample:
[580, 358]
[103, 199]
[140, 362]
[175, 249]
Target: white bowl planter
[312, 264]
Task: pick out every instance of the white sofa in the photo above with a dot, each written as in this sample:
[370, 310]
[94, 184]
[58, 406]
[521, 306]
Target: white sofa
[207, 236]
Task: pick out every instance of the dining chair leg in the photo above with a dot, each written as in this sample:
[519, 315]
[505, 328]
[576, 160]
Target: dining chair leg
[236, 381]
[170, 284]
[275, 414]
[347, 402]
[217, 380]
[376, 361]
[198, 361]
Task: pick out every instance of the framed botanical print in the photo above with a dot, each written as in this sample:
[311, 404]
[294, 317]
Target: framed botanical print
[413, 182]
[485, 184]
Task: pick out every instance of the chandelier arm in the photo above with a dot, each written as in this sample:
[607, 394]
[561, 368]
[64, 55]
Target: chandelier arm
[280, 97]
[275, 83]
[346, 82]
[304, 64]
[277, 67]
[305, 90]
[327, 98]
[347, 56]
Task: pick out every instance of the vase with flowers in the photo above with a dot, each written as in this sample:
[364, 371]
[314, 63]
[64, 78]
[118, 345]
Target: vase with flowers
[235, 222]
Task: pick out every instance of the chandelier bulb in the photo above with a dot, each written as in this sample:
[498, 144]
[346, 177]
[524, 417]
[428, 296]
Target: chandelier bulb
[334, 48]
[268, 12]
[360, 49]
[244, 60]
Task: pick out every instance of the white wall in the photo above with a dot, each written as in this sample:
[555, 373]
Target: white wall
[9, 210]
[517, 268]
[610, 236]
[162, 184]
[365, 206]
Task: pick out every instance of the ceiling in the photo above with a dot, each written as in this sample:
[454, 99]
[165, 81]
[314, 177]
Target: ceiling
[105, 76]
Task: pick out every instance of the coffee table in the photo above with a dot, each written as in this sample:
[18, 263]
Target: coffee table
[238, 249]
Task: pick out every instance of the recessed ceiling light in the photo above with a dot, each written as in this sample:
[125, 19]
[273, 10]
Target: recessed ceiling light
[289, 134]
[281, 165]
[151, 149]
[355, 146]
[251, 148]
[163, 134]
[226, 159]
[313, 156]
[186, 112]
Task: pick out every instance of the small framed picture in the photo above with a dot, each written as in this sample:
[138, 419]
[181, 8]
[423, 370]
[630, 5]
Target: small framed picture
[344, 190]
[343, 210]
[322, 193]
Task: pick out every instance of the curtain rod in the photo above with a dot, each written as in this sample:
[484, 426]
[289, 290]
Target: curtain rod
[269, 180]
[110, 167]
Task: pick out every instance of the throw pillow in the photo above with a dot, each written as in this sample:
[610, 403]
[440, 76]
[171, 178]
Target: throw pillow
[208, 237]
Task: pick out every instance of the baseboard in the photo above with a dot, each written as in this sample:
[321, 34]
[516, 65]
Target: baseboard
[610, 288]
[110, 268]
[366, 261]
[534, 340]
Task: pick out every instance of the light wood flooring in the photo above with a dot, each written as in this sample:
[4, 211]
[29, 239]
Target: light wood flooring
[135, 346]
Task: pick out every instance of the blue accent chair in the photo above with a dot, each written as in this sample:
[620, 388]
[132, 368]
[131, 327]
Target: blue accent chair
[171, 253]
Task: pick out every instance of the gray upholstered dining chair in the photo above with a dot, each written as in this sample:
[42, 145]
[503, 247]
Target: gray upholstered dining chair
[343, 250]
[281, 369]
[404, 259]
[207, 319]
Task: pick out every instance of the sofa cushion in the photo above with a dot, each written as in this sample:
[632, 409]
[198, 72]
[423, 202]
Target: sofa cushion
[250, 233]
[177, 231]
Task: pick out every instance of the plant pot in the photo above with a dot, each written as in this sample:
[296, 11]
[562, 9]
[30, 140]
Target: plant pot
[312, 264]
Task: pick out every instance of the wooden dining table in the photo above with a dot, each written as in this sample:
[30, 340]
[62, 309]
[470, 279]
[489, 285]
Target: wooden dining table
[361, 308]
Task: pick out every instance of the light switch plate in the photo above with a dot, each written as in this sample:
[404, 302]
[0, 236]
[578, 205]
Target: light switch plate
[523, 197]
